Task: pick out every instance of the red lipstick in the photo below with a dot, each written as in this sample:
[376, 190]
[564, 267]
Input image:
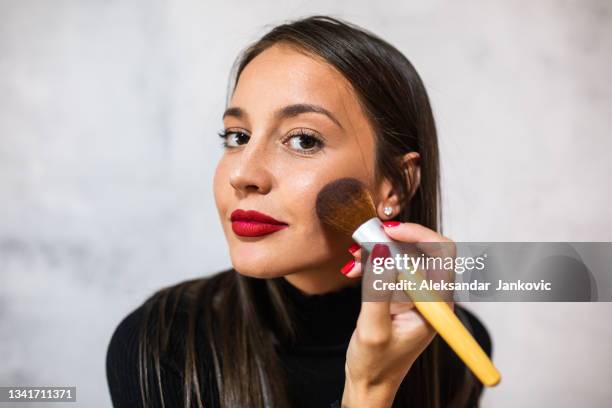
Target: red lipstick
[251, 223]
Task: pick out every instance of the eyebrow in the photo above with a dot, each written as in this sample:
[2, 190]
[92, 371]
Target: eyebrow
[288, 111]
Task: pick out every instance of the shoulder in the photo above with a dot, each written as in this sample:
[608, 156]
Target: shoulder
[122, 361]
[145, 331]
[124, 353]
[125, 334]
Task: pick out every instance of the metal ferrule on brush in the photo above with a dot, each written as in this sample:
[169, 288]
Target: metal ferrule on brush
[371, 231]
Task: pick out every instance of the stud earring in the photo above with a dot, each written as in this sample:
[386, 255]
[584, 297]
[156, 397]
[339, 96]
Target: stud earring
[388, 211]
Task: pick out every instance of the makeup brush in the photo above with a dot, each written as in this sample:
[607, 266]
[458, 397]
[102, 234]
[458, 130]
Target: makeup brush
[347, 206]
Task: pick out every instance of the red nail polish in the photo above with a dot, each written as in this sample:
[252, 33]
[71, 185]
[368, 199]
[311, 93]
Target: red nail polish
[347, 268]
[353, 248]
[380, 251]
[391, 223]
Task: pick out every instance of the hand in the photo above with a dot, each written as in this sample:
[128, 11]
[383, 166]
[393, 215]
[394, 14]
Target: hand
[389, 335]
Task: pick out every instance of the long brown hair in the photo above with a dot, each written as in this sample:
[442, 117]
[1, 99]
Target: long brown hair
[240, 333]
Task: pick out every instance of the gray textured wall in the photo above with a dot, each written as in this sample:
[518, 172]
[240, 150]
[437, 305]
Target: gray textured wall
[108, 115]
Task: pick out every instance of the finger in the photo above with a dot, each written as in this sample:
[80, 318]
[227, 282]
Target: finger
[427, 240]
[356, 271]
[352, 269]
[413, 324]
[412, 318]
[413, 233]
[430, 243]
[398, 308]
[355, 250]
[375, 317]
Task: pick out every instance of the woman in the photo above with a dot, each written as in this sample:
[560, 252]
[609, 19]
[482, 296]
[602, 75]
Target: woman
[313, 100]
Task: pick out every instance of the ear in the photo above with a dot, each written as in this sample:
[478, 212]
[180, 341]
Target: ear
[388, 198]
[411, 164]
[388, 195]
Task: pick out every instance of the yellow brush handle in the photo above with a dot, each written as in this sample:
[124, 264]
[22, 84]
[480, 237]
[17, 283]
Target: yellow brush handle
[449, 327]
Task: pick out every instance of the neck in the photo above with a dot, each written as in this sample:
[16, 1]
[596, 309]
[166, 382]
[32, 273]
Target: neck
[319, 281]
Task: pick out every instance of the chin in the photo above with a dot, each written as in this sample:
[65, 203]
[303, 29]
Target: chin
[258, 270]
[258, 264]
[257, 273]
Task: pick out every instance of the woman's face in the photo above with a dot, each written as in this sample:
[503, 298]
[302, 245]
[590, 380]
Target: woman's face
[293, 125]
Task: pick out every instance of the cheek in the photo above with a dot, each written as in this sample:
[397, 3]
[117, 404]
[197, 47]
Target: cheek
[300, 187]
[221, 185]
[302, 183]
[301, 197]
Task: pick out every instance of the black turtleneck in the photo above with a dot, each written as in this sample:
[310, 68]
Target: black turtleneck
[314, 363]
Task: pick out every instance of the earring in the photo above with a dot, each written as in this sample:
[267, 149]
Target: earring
[388, 211]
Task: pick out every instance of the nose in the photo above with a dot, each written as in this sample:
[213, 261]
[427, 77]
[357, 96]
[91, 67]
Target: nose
[251, 173]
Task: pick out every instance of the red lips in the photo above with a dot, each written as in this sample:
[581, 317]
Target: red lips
[252, 223]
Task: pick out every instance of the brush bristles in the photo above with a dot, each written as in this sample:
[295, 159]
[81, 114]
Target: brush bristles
[345, 204]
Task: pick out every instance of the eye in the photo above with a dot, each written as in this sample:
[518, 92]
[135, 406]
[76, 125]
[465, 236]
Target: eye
[233, 138]
[304, 142]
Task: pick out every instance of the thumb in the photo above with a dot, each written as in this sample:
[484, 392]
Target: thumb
[375, 315]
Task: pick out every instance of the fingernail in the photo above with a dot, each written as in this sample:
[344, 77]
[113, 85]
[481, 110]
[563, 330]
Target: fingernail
[391, 223]
[353, 248]
[347, 268]
[380, 251]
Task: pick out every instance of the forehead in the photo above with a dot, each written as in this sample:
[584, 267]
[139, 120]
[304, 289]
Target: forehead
[282, 75]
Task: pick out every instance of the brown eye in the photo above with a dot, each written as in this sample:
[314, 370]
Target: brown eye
[234, 138]
[304, 143]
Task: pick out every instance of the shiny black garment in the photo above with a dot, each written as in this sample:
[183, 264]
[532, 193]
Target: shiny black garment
[314, 364]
